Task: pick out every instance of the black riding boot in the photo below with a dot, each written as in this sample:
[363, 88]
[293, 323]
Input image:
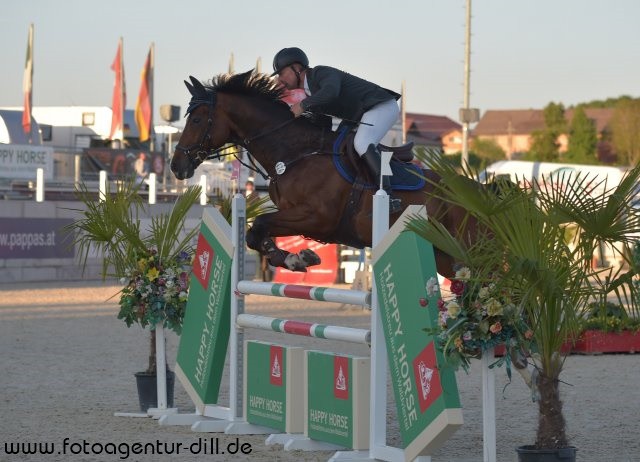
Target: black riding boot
[373, 159]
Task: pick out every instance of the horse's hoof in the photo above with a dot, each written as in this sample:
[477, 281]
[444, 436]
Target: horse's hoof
[309, 257]
[294, 263]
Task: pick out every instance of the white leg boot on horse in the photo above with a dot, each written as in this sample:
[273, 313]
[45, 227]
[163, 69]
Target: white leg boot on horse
[373, 160]
[292, 261]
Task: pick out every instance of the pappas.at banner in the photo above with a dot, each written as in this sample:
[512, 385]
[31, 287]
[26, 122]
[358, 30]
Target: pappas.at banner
[35, 238]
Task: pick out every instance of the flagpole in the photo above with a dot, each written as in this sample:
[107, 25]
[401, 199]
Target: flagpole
[232, 67]
[403, 114]
[27, 86]
[152, 56]
[122, 90]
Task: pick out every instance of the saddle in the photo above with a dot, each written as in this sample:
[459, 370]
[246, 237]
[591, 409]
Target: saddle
[406, 175]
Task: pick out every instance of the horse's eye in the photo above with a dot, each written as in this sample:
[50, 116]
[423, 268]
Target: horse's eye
[195, 120]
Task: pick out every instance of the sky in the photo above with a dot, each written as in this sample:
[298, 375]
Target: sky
[524, 54]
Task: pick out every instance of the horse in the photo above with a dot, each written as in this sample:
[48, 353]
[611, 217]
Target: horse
[312, 198]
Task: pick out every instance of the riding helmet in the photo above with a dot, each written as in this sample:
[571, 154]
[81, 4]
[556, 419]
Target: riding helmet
[288, 56]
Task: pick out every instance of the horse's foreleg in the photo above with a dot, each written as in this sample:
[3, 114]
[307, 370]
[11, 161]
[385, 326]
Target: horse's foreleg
[259, 238]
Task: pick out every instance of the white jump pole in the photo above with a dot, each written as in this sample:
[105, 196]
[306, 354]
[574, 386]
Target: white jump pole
[236, 338]
[203, 191]
[102, 186]
[161, 376]
[152, 188]
[39, 185]
[161, 368]
[488, 407]
[378, 448]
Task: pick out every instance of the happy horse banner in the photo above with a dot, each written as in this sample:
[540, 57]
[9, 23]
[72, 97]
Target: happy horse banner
[22, 161]
[425, 388]
[205, 331]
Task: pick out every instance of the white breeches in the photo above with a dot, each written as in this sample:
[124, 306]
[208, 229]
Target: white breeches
[381, 117]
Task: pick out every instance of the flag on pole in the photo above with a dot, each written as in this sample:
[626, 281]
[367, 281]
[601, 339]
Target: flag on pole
[144, 105]
[119, 96]
[27, 82]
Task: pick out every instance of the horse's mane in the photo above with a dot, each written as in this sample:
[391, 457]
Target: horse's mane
[249, 83]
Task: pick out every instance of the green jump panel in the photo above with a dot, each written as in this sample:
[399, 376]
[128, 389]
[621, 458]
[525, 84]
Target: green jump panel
[205, 332]
[273, 383]
[337, 399]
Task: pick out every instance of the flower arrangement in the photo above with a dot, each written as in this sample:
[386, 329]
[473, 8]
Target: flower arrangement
[151, 263]
[156, 291]
[478, 315]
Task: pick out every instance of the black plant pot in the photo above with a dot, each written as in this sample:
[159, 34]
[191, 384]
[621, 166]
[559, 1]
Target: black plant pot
[148, 389]
[530, 454]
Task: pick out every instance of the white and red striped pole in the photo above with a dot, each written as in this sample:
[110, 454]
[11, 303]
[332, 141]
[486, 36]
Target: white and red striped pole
[323, 294]
[306, 329]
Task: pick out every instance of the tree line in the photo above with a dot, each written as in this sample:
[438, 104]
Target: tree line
[618, 143]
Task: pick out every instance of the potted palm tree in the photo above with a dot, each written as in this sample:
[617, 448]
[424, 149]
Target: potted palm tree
[543, 273]
[152, 264]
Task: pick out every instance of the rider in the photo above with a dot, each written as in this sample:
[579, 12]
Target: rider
[344, 96]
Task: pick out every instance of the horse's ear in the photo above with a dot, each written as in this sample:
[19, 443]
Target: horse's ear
[197, 86]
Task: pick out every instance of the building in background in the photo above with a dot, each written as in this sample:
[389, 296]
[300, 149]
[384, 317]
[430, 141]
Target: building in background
[434, 131]
[512, 130]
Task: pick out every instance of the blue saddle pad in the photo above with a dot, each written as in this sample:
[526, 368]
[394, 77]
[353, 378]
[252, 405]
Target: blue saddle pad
[406, 176]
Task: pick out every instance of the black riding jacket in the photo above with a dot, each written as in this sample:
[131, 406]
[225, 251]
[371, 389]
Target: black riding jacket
[341, 94]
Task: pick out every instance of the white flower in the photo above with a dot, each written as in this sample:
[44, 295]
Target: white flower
[453, 308]
[432, 287]
[123, 281]
[483, 293]
[494, 307]
[463, 274]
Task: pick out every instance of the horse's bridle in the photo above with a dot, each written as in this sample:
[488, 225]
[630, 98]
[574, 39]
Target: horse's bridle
[199, 147]
[201, 153]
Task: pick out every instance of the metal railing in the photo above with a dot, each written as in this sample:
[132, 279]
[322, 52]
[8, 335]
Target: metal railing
[68, 175]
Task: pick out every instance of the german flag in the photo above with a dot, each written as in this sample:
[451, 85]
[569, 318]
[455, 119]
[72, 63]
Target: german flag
[144, 105]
